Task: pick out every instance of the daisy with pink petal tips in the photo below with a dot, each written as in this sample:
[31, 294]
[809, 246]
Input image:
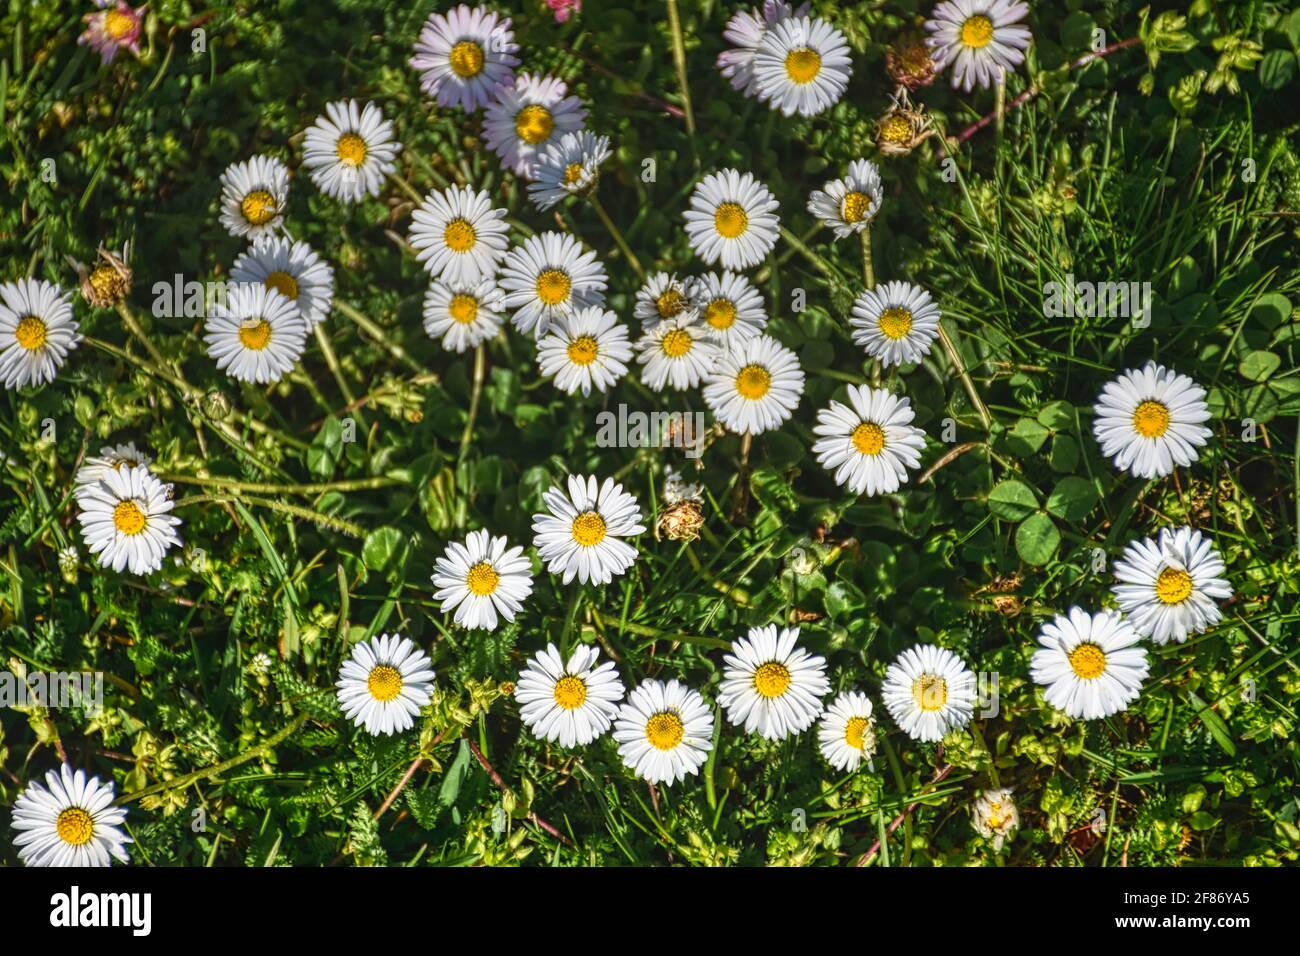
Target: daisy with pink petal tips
[115, 26]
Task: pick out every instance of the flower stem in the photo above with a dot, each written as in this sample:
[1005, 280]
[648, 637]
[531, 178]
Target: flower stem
[480, 373]
[401, 183]
[266, 487]
[628, 254]
[332, 360]
[306, 514]
[817, 261]
[955, 357]
[134, 327]
[379, 335]
[868, 267]
[679, 60]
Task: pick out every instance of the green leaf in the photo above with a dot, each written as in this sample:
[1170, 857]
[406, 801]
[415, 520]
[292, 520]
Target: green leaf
[1037, 539]
[1277, 69]
[1012, 500]
[1072, 499]
[1259, 365]
[1026, 437]
[1056, 415]
[772, 490]
[326, 450]
[1215, 724]
[381, 548]
[1064, 456]
[1271, 310]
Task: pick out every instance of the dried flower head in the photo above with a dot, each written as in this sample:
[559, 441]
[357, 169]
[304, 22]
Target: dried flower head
[106, 284]
[909, 63]
[902, 128]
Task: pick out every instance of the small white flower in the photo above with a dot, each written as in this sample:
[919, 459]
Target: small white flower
[385, 682]
[1168, 587]
[663, 297]
[1148, 421]
[581, 536]
[588, 349]
[895, 322]
[350, 150]
[459, 236]
[929, 691]
[527, 117]
[572, 702]
[982, 39]
[995, 816]
[678, 489]
[126, 519]
[293, 269]
[253, 197]
[755, 385]
[37, 331]
[848, 205]
[465, 56]
[110, 458]
[550, 276]
[802, 65]
[481, 579]
[677, 352]
[463, 316]
[1090, 664]
[567, 168]
[846, 734]
[869, 446]
[69, 821]
[745, 31]
[730, 306]
[732, 218]
[664, 731]
[256, 335]
[771, 686]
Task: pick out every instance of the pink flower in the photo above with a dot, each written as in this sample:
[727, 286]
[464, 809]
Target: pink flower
[563, 8]
[116, 25]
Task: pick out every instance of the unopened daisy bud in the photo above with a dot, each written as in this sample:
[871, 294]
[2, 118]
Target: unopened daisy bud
[995, 816]
[216, 405]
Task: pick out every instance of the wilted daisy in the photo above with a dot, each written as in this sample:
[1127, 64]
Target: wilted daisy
[550, 276]
[995, 816]
[37, 331]
[732, 218]
[755, 385]
[581, 536]
[350, 150]
[1090, 664]
[253, 196]
[663, 297]
[481, 579]
[770, 685]
[126, 520]
[895, 322]
[679, 352]
[385, 682]
[293, 269]
[849, 204]
[69, 821]
[730, 306]
[1168, 586]
[745, 31]
[570, 702]
[458, 236]
[981, 39]
[664, 731]
[802, 66]
[257, 334]
[525, 118]
[847, 732]
[117, 25]
[870, 445]
[1148, 421]
[110, 458]
[585, 350]
[929, 691]
[463, 316]
[567, 168]
[465, 55]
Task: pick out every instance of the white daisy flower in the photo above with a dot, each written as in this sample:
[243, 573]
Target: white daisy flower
[678, 352]
[995, 816]
[350, 150]
[527, 117]
[895, 322]
[481, 578]
[37, 331]
[126, 519]
[465, 55]
[458, 236]
[802, 66]
[385, 682]
[1148, 421]
[982, 39]
[568, 167]
[253, 197]
[664, 731]
[257, 334]
[581, 537]
[869, 446]
[69, 821]
[293, 269]
[1168, 587]
[463, 316]
[1090, 664]
[754, 386]
[588, 349]
[571, 702]
[730, 306]
[846, 734]
[929, 691]
[110, 458]
[848, 205]
[745, 31]
[663, 297]
[550, 276]
[732, 218]
[770, 686]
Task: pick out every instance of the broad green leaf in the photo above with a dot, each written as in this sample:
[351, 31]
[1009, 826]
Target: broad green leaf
[1037, 539]
[1012, 500]
[1072, 499]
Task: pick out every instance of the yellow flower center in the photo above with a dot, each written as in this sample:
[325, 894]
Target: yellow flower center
[31, 332]
[553, 286]
[583, 350]
[258, 207]
[255, 334]
[128, 518]
[670, 303]
[534, 123]
[283, 283]
[463, 308]
[572, 173]
[869, 438]
[855, 732]
[570, 692]
[677, 343]
[384, 682]
[1151, 420]
[730, 220]
[482, 579]
[856, 206]
[995, 819]
[466, 59]
[772, 679]
[589, 528]
[720, 313]
[118, 24]
[665, 730]
[352, 149]
[895, 323]
[108, 284]
[1173, 586]
[1088, 661]
[459, 236]
[753, 382]
[803, 65]
[977, 31]
[74, 826]
[896, 130]
[930, 692]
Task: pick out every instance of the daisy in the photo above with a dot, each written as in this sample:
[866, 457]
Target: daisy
[663, 297]
[293, 269]
[571, 702]
[126, 519]
[37, 331]
[480, 578]
[664, 731]
[385, 682]
[870, 445]
[527, 117]
[982, 39]
[755, 385]
[110, 458]
[569, 167]
[1089, 663]
[253, 195]
[1168, 587]
[1149, 421]
[585, 350]
[465, 55]
[802, 66]
[117, 25]
[463, 316]
[458, 236]
[679, 352]
[895, 322]
[847, 732]
[69, 821]
[745, 31]
[995, 816]
[849, 204]
[929, 691]
[550, 276]
[730, 306]
[732, 218]
[581, 535]
[770, 686]
[257, 334]
[350, 150]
